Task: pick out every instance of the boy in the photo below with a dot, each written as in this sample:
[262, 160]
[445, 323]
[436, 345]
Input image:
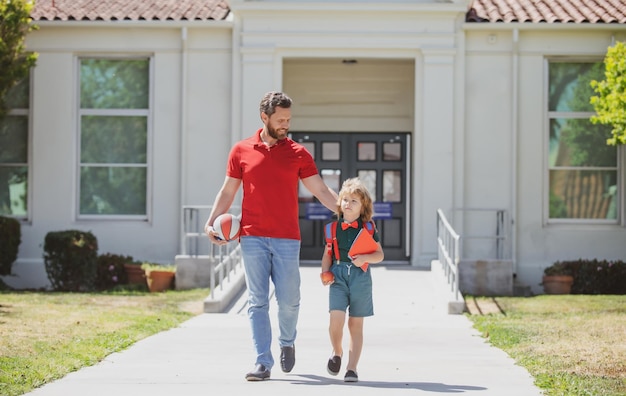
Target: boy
[350, 285]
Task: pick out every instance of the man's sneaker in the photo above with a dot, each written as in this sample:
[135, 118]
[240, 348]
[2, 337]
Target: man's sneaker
[260, 373]
[287, 358]
[351, 377]
[334, 365]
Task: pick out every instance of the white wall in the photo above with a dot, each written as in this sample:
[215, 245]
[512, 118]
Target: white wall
[185, 167]
[478, 134]
[492, 174]
[295, 36]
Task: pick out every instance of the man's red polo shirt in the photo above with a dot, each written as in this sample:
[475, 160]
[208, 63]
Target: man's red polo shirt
[270, 178]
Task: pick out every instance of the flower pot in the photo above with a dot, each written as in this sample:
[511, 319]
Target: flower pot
[159, 280]
[557, 284]
[136, 274]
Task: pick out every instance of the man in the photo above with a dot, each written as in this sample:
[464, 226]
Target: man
[269, 165]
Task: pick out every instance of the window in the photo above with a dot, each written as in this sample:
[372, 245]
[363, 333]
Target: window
[114, 118]
[14, 169]
[583, 169]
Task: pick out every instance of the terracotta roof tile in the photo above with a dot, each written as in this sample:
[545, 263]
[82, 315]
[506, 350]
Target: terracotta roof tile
[129, 10]
[548, 11]
[530, 11]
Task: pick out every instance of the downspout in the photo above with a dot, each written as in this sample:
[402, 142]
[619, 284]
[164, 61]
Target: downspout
[182, 187]
[514, 136]
[236, 99]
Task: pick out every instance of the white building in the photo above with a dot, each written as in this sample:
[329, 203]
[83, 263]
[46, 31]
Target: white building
[452, 104]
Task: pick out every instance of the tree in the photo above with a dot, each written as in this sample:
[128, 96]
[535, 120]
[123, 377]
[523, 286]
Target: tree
[610, 104]
[15, 62]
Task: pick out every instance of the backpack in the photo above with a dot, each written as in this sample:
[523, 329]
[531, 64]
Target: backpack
[330, 233]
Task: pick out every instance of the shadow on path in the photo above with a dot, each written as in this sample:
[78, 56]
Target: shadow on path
[316, 380]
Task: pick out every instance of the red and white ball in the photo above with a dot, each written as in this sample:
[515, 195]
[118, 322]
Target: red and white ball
[227, 226]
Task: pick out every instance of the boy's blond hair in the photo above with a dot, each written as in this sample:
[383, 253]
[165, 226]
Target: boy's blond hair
[355, 186]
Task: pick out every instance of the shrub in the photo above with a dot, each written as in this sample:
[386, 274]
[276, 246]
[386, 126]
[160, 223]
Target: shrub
[558, 268]
[10, 239]
[71, 260]
[111, 270]
[596, 276]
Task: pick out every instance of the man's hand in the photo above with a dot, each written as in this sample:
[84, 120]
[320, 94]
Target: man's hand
[213, 236]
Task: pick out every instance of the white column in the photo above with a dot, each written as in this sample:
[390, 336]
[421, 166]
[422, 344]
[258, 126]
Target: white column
[258, 77]
[435, 155]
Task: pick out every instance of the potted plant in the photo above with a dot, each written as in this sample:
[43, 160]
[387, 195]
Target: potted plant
[159, 277]
[134, 273]
[557, 279]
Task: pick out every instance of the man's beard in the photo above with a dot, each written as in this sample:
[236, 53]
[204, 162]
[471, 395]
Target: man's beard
[275, 135]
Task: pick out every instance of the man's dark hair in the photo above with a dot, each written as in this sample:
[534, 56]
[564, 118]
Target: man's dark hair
[271, 100]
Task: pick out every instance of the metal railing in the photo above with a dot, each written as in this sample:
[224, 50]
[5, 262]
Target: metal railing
[224, 265]
[449, 252]
[225, 260]
[486, 232]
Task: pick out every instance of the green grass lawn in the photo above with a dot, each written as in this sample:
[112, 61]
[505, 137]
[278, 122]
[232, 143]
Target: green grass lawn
[48, 335]
[571, 344]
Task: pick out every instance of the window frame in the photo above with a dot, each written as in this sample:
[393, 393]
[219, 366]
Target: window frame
[148, 113]
[28, 112]
[547, 168]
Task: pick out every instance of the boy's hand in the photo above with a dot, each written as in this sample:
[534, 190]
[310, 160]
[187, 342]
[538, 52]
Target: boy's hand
[327, 278]
[358, 260]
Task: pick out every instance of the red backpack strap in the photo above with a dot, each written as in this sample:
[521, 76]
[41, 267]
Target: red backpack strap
[370, 226]
[330, 233]
[335, 244]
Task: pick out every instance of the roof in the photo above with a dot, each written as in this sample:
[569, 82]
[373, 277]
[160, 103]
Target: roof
[548, 11]
[485, 11]
[129, 10]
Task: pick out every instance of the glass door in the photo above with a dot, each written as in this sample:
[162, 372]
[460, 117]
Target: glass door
[380, 160]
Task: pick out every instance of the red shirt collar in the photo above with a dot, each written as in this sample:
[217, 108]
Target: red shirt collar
[259, 141]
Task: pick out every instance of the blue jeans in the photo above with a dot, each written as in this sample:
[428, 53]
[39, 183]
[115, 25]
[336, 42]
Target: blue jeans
[278, 260]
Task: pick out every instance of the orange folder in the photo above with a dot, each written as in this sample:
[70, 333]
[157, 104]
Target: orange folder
[364, 243]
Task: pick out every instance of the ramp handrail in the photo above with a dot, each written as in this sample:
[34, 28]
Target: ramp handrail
[498, 240]
[449, 252]
[229, 262]
[225, 260]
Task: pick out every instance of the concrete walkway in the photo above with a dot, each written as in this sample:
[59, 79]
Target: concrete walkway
[412, 347]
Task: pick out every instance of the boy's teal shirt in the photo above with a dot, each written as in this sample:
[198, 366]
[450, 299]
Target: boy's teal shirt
[345, 239]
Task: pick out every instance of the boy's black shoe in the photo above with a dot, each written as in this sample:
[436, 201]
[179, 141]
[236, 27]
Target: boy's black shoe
[287, 358]
[260, 373]
[351, 377]
[334, 365]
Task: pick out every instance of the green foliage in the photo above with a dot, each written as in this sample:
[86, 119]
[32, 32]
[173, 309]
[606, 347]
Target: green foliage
[158, 267]
[4, 286]
[111, 272]
[592, 276]
[610, 104]
[586, 142]
[71, 260]
[557, 268]
[10, 239]
[114, 83]
[558, 208]
[15, 62]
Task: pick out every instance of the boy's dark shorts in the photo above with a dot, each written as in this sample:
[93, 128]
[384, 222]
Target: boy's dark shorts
[352, 290]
